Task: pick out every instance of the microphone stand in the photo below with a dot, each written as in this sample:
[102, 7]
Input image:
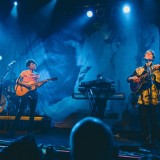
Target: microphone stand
[89, 94]
[150, 82]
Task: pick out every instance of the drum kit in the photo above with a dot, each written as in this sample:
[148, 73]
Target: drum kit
[9, 102]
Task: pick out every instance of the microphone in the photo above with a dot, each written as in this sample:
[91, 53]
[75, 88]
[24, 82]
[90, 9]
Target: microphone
[148, 60]
[11, 64]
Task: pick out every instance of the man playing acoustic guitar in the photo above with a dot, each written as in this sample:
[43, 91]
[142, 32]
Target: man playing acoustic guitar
[144, 82]
[26, 78]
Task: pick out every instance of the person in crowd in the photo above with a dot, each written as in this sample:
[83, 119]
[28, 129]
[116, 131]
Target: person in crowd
[23, 148]
[91, 139]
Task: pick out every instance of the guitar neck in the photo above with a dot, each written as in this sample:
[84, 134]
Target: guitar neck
[46, 80]
[40, 82]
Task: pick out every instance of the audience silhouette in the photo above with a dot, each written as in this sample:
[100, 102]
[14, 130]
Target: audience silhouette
[24, 148]
[91, 139]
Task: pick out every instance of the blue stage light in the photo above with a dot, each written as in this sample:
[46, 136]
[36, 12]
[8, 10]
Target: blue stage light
[15, 3]
[126, 9]
[89, 13]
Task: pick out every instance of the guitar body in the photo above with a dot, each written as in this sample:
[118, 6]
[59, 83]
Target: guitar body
[21, 90]
[134, 87]
[144, 83]
[137, 86]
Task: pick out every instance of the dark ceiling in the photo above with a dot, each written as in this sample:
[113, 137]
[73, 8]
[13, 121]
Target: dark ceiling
[66, 10]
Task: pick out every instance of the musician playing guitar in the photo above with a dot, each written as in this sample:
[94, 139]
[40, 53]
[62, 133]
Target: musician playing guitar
[144, 83]
[26, 78]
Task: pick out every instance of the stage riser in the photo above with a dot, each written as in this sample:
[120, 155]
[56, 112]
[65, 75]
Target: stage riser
[40, 123]
[24, 118]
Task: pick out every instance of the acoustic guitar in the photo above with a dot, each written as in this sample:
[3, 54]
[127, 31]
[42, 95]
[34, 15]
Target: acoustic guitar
[22, 89]
[137, 86]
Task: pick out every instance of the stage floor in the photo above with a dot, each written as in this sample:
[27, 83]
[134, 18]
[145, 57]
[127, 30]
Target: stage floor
[129, 146]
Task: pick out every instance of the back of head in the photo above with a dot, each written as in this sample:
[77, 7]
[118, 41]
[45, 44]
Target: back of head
[91, 139]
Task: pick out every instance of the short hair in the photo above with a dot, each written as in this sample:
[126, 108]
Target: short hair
[91, 139]
[153, 53]
[29, 61]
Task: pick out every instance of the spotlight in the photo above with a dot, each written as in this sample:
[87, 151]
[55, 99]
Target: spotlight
[89, 14]
[15, 3]
[100, 12]
[126, 9]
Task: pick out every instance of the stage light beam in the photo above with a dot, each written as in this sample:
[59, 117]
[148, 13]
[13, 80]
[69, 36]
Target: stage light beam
[14, 10]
